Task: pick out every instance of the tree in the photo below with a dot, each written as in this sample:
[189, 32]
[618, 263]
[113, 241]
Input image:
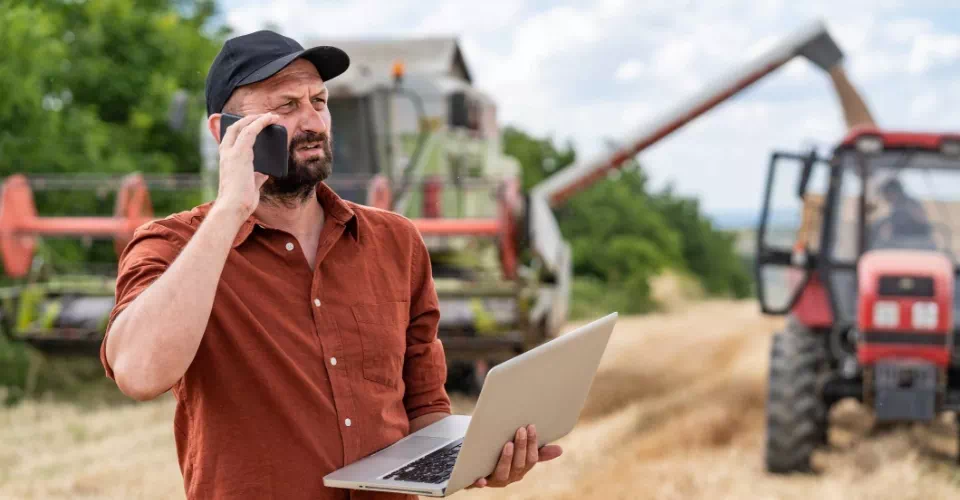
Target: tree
[85, 87]
[622, 234]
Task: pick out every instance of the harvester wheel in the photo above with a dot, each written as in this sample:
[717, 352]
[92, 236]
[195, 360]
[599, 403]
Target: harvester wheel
[796, 414]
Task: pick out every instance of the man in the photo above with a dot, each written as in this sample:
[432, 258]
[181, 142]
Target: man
[906, 223]
[297, 331]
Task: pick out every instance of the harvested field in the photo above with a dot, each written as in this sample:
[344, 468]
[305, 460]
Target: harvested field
[675, 412]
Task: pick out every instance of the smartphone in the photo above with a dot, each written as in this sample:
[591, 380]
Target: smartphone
[269, 149]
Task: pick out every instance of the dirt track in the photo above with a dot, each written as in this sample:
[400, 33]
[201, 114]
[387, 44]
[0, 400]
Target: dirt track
[675, 412]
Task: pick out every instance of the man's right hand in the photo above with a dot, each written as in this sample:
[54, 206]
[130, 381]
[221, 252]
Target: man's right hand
[239, 184]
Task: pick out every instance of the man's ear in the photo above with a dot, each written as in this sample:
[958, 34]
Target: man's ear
[213, 124]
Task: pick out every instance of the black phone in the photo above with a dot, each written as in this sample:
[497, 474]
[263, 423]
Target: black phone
[269, 149]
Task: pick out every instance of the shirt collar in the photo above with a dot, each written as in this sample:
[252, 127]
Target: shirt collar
[333, 206]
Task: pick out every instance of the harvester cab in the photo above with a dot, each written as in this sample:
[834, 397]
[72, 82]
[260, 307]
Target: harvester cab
[860, 251]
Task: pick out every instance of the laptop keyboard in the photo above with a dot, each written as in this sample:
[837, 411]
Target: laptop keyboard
[433, 468]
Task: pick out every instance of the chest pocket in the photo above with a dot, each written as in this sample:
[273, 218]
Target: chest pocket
[383, 329]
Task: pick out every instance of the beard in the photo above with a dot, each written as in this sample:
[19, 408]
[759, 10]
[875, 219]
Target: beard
[303, 176]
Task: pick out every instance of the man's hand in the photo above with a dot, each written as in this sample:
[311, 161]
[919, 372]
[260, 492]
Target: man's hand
[239, 184]
[517, 458]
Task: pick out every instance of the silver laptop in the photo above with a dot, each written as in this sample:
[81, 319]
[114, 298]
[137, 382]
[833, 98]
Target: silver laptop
[546, 386]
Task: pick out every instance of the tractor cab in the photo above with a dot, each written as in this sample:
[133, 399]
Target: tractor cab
[860, 251]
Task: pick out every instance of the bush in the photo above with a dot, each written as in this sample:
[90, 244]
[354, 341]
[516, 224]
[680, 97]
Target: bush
[623, 235]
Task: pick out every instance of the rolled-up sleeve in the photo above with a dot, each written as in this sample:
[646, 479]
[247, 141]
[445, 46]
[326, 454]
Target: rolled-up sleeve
[150, 252]
[425, 366]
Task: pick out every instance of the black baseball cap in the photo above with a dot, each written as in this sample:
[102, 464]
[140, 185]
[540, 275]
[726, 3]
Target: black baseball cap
[259, 55]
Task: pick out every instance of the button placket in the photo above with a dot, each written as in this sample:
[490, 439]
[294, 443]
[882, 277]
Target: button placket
[328, 335]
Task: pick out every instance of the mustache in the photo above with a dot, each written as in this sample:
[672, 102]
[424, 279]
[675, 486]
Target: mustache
[307, 137]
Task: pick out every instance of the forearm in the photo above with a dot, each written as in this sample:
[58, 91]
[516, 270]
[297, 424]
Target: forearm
[425, 420]
[153, 341]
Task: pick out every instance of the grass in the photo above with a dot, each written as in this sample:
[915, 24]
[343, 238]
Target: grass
[76, 380]
[590, 298]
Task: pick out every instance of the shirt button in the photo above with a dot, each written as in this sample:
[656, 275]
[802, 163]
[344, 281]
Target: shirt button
[347, 422]
[333, 361]
[316, 302]
[289, 246]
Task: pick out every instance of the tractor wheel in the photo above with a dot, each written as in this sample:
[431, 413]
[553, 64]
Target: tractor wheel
[796, 414]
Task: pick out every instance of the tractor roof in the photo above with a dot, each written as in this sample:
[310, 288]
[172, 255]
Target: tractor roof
[932, 141]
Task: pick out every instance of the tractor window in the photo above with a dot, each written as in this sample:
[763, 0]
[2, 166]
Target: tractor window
[914, 203]
[792, 220]
[790, 226]
[846, 218]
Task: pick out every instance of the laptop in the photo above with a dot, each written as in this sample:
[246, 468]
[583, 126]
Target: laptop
[546, 386]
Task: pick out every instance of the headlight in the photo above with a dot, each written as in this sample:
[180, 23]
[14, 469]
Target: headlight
[869, 144]
[924, 315]
[886, 314]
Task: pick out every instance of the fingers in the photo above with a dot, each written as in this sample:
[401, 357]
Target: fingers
[550, 452]
[260, 179]
[533, 448]
[520, 454]
[249, 133]
[502, 473]
[479, 483]
[519, 457]
[230, 136]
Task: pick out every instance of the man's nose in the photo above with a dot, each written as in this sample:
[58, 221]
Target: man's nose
[312, 121]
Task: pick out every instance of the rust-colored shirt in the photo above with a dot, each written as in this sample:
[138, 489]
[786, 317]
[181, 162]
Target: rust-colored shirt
[299, 372]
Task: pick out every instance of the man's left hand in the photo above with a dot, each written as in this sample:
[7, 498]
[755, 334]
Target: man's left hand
[517, 458]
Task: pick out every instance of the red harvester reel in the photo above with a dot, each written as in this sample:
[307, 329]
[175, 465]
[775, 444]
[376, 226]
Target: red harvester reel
[504, 226]
[19, 223]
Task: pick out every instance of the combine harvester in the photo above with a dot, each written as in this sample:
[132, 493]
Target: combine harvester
[414, 136]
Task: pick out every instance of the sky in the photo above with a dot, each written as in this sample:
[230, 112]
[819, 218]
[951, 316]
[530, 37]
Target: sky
[597, 70]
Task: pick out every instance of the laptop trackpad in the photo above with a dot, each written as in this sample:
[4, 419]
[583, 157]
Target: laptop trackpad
[412, 446]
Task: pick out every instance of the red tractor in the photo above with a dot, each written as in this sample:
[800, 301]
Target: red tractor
[859, 251]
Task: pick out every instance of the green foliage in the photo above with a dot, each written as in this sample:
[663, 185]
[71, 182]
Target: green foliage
[707, 252]
[592, 297]
[622, 234]
[14, 361]
[86, 87]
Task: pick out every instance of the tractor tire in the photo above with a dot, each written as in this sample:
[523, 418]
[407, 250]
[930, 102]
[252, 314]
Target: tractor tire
[796, 413]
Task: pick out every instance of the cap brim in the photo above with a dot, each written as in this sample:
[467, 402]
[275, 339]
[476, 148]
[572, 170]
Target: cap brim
[329, 61]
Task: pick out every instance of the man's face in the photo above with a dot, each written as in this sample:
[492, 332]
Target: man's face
[299, 97]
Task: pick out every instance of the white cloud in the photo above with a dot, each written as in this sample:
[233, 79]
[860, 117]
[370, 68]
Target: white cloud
[630, 70]
[930, 50]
